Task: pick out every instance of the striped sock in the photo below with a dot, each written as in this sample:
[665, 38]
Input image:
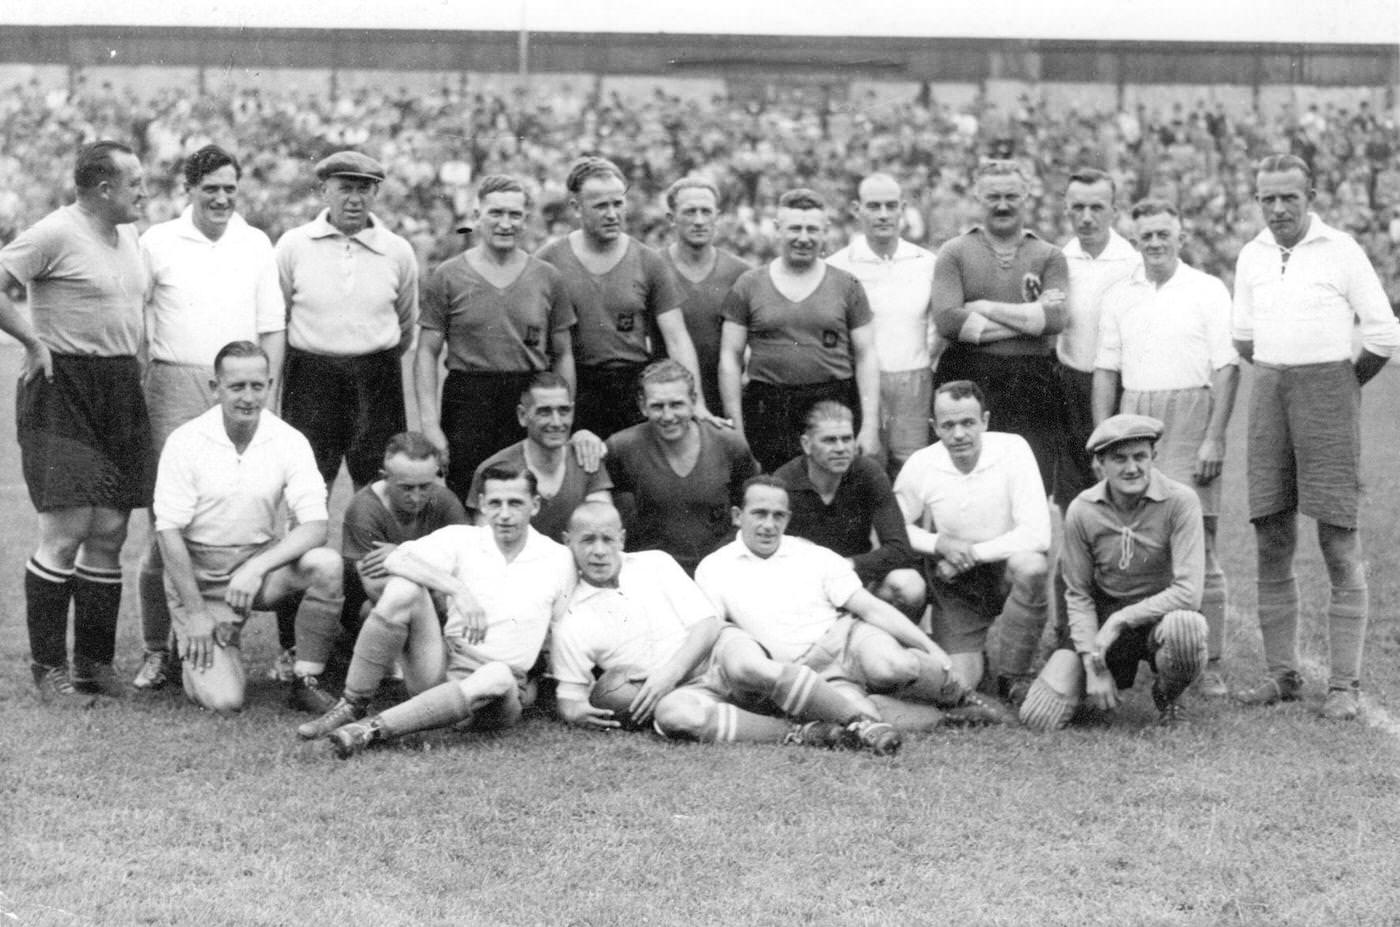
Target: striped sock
[97, 600]
[47, 591]
[725, 723]
[1278, 624]
[800, 693]
[1346, 634]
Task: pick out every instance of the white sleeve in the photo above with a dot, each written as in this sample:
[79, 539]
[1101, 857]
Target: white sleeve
[176, 492]
[1030, 513]
[570, 662]
[304, 489]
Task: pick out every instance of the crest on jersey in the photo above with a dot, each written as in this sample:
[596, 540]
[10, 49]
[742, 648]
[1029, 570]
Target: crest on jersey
[626, 321]
[532, 336]
[830, 338]
[1031, 288]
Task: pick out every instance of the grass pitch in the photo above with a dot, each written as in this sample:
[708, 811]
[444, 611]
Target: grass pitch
[146, 811]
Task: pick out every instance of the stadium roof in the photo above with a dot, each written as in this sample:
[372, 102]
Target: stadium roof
[1343, 22]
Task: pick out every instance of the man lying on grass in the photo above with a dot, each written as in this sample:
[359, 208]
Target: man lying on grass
[1134, 567]
[504, 582]
[639, 615]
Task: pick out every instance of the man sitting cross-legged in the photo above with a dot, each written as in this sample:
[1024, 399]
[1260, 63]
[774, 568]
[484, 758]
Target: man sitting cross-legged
[1134, 566]
[504, 581]
[641, 611]
[805, 605]
[221, 480]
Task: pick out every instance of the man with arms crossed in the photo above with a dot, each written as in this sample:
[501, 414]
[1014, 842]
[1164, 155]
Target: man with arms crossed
[976, 509]
[84, 433]
[1133, 559]
[703, 273]
[222, 479]
[504, 316]
[1300, 287]
[622, 293]
[699, 679]
[808, 329]
[504, 583]
[898, 279]
[212, 281]
[1166, 341]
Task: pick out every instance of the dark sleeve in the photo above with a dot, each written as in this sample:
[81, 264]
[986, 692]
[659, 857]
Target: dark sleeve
[453, 512]
[894, 551]
[561, 306]
[741, 466]
[433, 301]
[1056, 273]
[736, 302]
[663, 294]
[949, 315]
[359, 532]
[617, 465]
[857, 304]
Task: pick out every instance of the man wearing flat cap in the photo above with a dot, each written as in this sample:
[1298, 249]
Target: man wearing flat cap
[1133, 565]
[351, 288]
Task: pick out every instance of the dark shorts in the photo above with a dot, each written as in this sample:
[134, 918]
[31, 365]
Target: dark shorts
[85, 435]
[478, 417]
[966, 608]
[1074, 467]
[1023, 396]
[346, 406]
[1133, 646]
[607, 398]
[773, 416]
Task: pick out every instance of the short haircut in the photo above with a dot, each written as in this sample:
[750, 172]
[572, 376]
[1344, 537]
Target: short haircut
[961, 389]
[239, 349]
[95, 164]
[206, 161]
[665, 370]
[801, 198]
[545, 379]
[827, 410]
[413, 445]
[689, 182]
[1001, 167]
[1154, 206]
[588, 167]
[762, 479]
[508, 473]
[1278, 163]
[1092, 175]
[500, 183]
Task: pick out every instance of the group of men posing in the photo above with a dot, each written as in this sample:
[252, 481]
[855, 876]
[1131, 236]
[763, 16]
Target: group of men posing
[1109, 370]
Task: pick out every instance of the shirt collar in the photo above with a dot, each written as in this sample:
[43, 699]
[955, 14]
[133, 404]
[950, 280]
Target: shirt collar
[1317, 230]
[1117, 249]
[211, 423]
[981, 233]
[370, 236]
[585, 590]
[186, 228]
[862, 253]
[1139, 275]
[1156, 489]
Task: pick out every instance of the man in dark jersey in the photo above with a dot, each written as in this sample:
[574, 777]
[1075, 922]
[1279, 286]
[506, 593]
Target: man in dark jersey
[504, 316]
[84, 432]
[703, 273]
[683, 474]
[999, 297]
[546, 411]
[808, 328]
[621, 291]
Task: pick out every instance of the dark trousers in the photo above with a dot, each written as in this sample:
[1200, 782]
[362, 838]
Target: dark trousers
[1074, 468]
[1023, 395]
[478, 417]
[607, 398]
[773, 416]
[346, 406]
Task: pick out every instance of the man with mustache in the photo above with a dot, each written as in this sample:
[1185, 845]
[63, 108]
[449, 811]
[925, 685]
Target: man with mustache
[1166, 343]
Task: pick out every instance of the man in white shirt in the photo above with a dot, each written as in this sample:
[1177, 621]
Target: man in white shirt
[222, 478]
[898, 280]
[1098, 257]
[975, 507]
[504, 581]
[1165, 340]
[211, 280]
[1301, 287]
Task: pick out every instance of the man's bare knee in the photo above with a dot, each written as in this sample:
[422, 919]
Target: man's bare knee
[1027, 570]
[904, 589]
[491, 681]
[681, 714]
[323, 569]
[889, 668]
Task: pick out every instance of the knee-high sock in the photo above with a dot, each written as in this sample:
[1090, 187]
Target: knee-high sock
[438, 707]
[380, 643]
[935, 683]
[804, 695]
[286, 613]
[1022, 622]
[1213, 598]
[1278, 624]
[97, 599]
[155, 607]
[725, 723]
[1181, 651]
[318, 624]
[1346, 633]
[47, 592]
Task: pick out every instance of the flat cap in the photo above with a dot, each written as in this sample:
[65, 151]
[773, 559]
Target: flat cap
[350, 164]
[1122, 428]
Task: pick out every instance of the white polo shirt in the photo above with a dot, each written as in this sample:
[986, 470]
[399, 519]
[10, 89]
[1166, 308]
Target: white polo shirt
[898, 289]
[1000, 506]
[1089, 279]
[1303, 312]
[1170, 337]
[787, 601]
[641, 623]
[203, 294]
[218, 497]
[520, 597]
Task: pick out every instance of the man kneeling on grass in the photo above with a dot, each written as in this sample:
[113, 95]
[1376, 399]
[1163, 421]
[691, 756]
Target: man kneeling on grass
[1134, 568]
[641, 611]
[222, 478]
[504, 581]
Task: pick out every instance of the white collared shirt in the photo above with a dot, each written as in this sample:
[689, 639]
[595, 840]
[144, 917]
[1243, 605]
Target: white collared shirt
[786, 601]
[1173, 336]
[898, 288]
[217, 496]
[641, 623]
[203, 294]
[1303, 312]
[1000, 506]
[1089, 279]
